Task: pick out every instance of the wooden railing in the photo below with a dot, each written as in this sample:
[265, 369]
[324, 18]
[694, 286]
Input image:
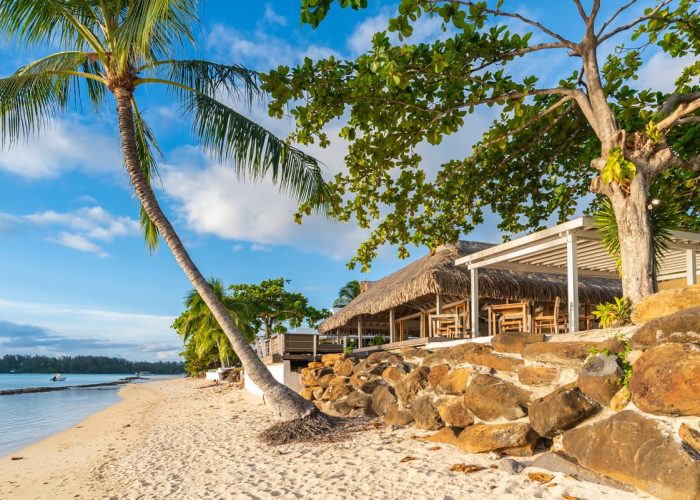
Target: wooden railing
[298, 343]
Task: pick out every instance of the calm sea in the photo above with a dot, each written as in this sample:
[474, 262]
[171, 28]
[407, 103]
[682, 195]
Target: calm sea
[27, 418]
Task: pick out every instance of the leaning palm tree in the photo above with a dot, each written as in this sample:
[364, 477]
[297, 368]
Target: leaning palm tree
[350, 290]
[117, 47]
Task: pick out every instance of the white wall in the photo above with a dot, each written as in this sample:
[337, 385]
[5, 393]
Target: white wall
[282, 373]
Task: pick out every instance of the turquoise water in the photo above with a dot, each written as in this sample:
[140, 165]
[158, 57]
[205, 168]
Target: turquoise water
[27, 418]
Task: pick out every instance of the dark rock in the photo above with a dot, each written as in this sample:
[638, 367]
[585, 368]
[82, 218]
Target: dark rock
[453, 412]
[560, 353]
[490, 398]
[538, 375]
[665, 303]
[395, 416]
[408, 388]
[510, 466]
[369, 386]
[601, 378]
[562, 409]
[558, 463]
[382, 397]
[666, 380]
[425, 414]
[637, 450]
[682, 327]
[514, 342]
[358, 399]
[336, 392]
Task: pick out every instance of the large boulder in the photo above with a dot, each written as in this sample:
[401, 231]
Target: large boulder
[514, 342]
[396, 416]
[681, 327]
[453, 412]
[444, 381]
[358, 399]
[516, 439]
[408, 388]
[336, 392]
[666, 303]
[560, 353]
[330, 359]
[495, 361]
[666, 380]
[537, 375]
[392, 374]
[437, 374]
[490, 398]
[639, 451]
[460, 353]
[382, 397]
[310, 376]
[601, 378]
[425, 414]
[307, 393]
[560, 410]
[343, 367]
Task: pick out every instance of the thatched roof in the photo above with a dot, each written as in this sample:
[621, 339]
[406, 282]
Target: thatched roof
[437, 273]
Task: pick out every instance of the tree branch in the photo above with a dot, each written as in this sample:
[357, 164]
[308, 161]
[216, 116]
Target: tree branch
[614, 16]
[627, 26]
[581, 10]
[677, 106]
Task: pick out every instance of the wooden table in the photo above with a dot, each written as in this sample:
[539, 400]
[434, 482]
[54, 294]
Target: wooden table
[519, 308]
[438, 320]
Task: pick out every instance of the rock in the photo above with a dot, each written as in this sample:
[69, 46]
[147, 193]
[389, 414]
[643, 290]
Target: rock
[453, 412]
[369, 386]
[311, 376]
[538, 375]
[356, 380]
[338, 381]
[358, 399]
[336, 392]
[558, 463]
[325, 380]
[560, 410]
[514, 342]
[510, 466]
[392, 374]
[446, 435]
[425, 414]
[318, 392]
[414, 352]
[411, 385]
[495, 361]
[490, 397]
[338, 408]
[666, 303]
[639, 451]
[437, 374]
[343, 367]
[666, 380]
[612, 346]
[516, 439]
[459, 354]
[690, 436]
[330, 359]
[315, 364]
[601, 378]
[560, 353]
[382, 397]
[682, 327]
[360, 367]
[456, 382]
[395, 416]
[307, 393]
[620, 400]
[384, 357]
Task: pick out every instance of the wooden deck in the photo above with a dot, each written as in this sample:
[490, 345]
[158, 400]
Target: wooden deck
[296, 347]
[393, 346]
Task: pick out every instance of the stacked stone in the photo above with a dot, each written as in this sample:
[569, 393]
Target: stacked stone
[522, 391]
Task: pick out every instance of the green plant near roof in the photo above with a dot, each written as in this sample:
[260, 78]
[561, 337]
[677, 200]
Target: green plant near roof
[612, 314]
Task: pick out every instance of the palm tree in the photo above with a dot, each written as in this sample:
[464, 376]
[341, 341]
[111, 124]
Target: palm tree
[116, 47]
[347, 293]
[197, 324]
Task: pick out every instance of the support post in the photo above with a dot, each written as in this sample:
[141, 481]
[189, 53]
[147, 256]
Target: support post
[572, 282]
[474, 301]
[422, 325]
[438, 304]
[315, 345]
[392, 326]
[691, 267]
[359, 332]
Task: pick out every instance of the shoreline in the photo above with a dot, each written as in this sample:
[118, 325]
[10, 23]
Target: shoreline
[186, 438]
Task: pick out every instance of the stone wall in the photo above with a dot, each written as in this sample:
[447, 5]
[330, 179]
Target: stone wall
[624, 404]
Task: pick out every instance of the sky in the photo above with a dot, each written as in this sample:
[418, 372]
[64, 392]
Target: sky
[75, 275]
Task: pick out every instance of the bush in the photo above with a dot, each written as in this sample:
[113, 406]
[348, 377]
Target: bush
[349, 347]
[378, 340]
[613, 314]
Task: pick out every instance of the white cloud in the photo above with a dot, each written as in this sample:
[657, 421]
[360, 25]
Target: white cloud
[238, 248]
[661, 71]
[257, 247]
[79, 242]
[273, 17]
[86, 199]
[64, 146]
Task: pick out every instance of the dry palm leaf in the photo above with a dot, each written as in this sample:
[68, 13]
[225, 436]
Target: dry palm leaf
[569, 497]
[435, 448]
[407, 459]
[467, 469]
[540, 477]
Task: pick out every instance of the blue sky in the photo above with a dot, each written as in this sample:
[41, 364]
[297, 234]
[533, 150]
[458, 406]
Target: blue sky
[74, 273]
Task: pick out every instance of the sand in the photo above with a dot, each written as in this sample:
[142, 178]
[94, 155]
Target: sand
[186, 439]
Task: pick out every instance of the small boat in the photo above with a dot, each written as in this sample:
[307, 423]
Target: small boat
[57, 378]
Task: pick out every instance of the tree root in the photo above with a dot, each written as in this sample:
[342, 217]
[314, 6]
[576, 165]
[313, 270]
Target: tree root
[315, 427]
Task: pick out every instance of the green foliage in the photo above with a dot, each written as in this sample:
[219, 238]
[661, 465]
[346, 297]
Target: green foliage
[19, 363]
[276, 309]
[400, 98]
[349, 348]
[612, 314]
[618, 169]
[378, 340]
[350, 290]
[105, 45]
[622, 356]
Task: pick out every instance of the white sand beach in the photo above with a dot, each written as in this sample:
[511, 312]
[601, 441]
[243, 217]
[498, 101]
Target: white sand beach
[186, 439]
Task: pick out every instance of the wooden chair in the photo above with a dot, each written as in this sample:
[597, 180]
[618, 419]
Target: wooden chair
[511, 323]
[551, 323]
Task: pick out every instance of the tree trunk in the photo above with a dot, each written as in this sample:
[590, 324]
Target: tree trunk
[285, 403]
[636, 240]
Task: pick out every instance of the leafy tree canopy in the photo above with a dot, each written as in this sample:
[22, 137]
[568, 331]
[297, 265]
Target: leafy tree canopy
[539, 155]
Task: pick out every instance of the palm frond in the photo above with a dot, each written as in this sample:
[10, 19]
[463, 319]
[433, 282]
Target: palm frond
[255, 151]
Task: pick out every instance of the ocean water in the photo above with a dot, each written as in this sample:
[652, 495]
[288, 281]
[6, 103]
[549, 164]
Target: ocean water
[27, 418]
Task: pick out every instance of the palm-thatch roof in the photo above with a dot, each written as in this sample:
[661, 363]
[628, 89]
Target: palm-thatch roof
[437, 273]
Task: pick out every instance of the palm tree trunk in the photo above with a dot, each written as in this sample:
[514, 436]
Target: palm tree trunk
[285, 403]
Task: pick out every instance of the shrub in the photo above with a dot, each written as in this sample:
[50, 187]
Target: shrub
[613, 314]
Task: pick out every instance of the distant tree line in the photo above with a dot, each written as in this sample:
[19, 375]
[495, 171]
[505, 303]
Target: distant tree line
[85, 364]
